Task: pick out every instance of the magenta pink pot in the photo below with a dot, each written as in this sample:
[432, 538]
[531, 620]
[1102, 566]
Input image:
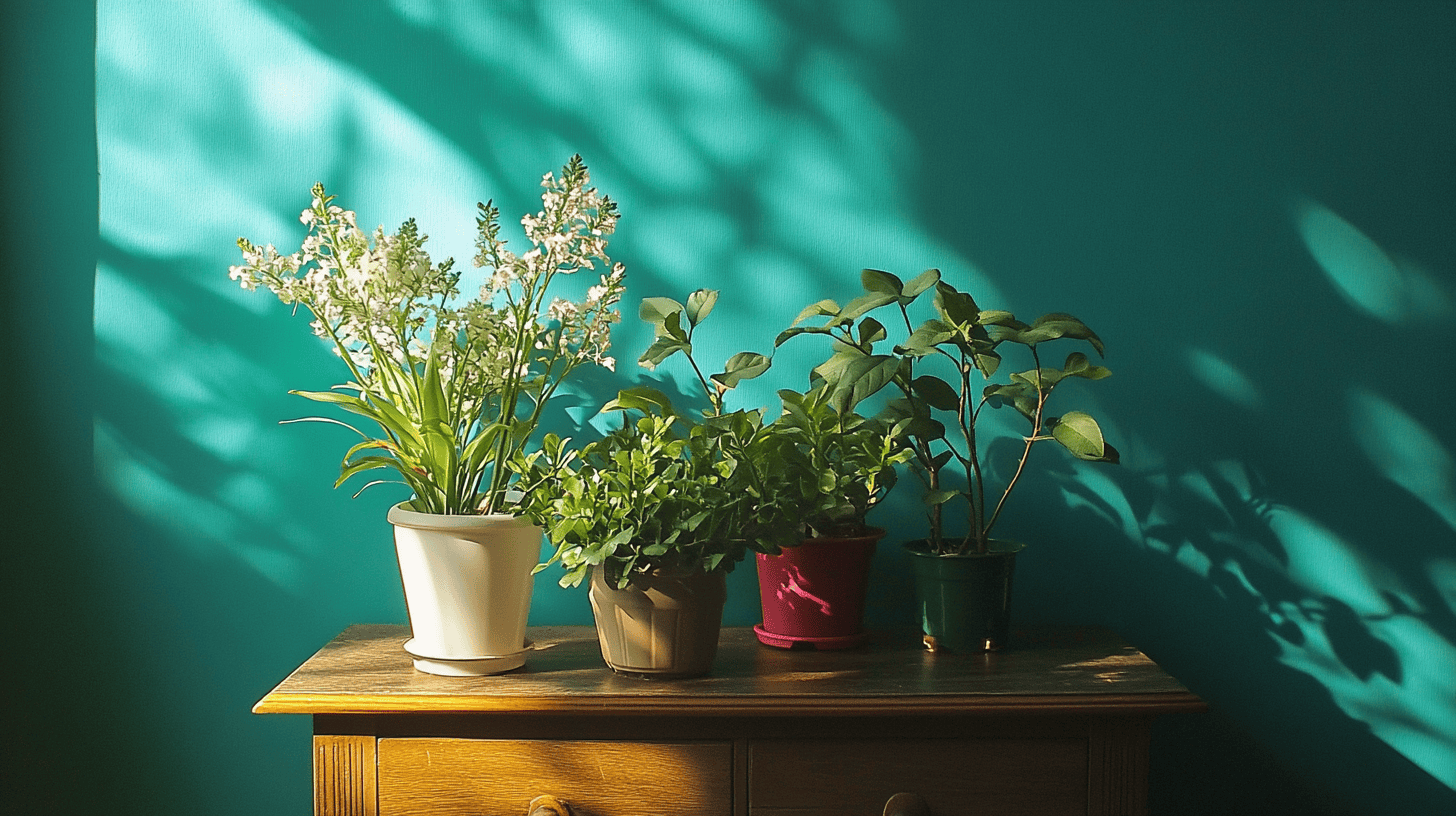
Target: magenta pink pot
[813, 595]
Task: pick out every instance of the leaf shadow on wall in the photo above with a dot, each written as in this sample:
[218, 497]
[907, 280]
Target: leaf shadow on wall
[1132, 166]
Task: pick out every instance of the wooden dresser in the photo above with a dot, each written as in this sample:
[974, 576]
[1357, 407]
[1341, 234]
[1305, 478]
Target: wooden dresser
[1057, 724]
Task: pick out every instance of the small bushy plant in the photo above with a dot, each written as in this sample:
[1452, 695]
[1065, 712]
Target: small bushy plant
[666, 491]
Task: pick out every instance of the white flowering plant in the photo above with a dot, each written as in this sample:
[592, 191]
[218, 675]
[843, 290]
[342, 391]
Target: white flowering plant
[456, 388]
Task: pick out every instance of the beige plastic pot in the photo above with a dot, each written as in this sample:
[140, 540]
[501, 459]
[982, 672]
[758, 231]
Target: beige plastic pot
[467, 586]
[660, 625]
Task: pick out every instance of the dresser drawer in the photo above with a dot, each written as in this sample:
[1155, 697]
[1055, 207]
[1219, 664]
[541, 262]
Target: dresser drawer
[856, 778]
[481, 777]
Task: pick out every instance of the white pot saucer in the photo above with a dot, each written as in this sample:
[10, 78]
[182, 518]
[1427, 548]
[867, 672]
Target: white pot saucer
[467, 666]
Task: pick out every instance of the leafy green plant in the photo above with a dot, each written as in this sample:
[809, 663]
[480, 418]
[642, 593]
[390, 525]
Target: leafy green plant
[937, 413]
[840, 465]
[666, 491]
[456, 390]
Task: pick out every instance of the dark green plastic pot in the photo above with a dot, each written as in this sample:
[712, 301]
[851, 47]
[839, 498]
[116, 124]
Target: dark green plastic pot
[964, 600]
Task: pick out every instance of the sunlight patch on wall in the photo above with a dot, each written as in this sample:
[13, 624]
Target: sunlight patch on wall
[186, 388]
[748, 29]
[1405, 452]
[1407, 695]
[202, 141]
[1369, 278]
[1324, 564]
[200, 527]
[1223, 378]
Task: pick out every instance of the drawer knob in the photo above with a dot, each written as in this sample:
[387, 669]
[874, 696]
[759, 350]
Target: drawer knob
[548, 806]
[906, 804]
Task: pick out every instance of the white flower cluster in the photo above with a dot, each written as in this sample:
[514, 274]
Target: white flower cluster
[386, 307]
[375, 298]
[568, 235]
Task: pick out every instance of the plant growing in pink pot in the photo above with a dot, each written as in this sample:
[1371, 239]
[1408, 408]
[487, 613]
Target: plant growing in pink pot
[842, 465]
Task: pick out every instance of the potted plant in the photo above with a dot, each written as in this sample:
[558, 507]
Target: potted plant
[660, 509]
[941, 374]
[454, 390]
[841, 466]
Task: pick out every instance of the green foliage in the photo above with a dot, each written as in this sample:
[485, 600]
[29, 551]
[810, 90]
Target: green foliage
[936, 368]
[840, 465]
[665, 491]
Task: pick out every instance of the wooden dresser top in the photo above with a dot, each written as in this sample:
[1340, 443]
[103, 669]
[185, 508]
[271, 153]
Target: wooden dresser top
[366, 671]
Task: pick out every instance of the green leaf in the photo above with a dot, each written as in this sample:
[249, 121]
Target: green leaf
[346, 401]
[479, 446]
[368, 444]
[745, 365]
[663, 348]
[395, 420]
[368, 485]
[1019, 395]
[796, 331]
[432, 391]
[862, 378]
[364, 463]
[937, 497]
[671, 326]
[820, 309]
[827, 483]
[871, 331]
[936, 393]
[867, 302]
[924, 339]
[955, 307]
[328, 420]
[919, 284]
[700, 303]
[377, 408]
[1000, 317]
[1055, 326]
[642, 398]
[885, 283]
[655, 310]
[925, 428]
[1080, 434]
[832, 370]
[987, 362]
[1049, 377]
[1078, 365]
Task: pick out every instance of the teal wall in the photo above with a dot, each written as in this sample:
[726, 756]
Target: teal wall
[1252, 203]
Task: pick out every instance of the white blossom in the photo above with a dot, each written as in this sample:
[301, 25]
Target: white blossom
[386, 307]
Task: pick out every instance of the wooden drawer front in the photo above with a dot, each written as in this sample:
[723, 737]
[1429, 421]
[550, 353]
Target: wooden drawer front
[836, 778]
[465, 777]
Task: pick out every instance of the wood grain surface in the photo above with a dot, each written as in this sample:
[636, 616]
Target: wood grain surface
[344, 776]
[366, 671]
[436, 777]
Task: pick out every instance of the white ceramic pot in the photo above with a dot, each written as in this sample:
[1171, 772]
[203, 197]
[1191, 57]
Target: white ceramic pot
[467, 585]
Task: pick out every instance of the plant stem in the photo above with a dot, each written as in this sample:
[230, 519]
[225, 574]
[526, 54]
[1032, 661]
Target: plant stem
[1041, 398]
[977, 499]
